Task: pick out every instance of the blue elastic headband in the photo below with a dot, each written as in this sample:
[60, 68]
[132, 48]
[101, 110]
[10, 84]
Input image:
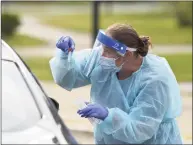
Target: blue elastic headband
[111, 43]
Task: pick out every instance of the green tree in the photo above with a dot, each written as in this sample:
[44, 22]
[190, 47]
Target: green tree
[9, 24]
[183, 12]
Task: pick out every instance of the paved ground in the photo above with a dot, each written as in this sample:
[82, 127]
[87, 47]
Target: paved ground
[31, 26]
[49, 51]
[70, 9]
[68, 110]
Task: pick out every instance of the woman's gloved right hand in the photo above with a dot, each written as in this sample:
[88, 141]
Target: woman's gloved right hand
[66, 44]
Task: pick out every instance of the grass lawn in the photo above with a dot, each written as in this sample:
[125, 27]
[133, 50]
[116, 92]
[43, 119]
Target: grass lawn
[40, 67]
[160, 26]
[20, 41]
[181, 65]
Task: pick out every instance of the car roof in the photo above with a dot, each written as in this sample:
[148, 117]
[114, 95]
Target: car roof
[7, 51]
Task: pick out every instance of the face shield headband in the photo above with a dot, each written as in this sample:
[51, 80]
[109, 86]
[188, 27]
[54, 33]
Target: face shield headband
[113, 44]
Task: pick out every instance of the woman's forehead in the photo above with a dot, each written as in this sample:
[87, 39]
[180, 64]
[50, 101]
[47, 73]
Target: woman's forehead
[109, 49]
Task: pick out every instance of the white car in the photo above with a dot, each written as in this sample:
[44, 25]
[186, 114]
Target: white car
[29, 116]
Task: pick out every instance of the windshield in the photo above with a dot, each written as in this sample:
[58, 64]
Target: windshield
[19, 110]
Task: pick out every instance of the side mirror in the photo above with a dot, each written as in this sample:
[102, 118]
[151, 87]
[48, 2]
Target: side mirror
[56, 104]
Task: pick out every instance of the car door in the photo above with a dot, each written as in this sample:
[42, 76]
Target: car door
[28, 114]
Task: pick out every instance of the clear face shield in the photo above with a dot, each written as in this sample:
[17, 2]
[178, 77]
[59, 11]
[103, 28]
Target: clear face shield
[110, 50]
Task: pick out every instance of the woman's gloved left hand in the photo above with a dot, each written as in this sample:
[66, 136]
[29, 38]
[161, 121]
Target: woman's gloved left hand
[94, 110]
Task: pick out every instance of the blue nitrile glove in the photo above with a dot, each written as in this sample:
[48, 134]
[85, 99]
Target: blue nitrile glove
[66, 44]
[94, 110]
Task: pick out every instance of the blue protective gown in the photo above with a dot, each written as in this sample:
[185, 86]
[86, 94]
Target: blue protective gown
[142, 108]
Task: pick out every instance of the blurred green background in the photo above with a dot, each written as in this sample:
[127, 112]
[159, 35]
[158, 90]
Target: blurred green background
[167, 23]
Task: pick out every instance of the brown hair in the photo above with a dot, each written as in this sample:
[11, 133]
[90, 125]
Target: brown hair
[127, 35]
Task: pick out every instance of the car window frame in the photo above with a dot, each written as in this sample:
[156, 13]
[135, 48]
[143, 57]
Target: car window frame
[65, 131]
[27, 85]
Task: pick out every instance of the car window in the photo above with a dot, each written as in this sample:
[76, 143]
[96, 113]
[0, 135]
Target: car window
[19, 110]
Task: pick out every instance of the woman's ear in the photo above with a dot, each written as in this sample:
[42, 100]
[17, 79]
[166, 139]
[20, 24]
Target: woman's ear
[127, 54]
